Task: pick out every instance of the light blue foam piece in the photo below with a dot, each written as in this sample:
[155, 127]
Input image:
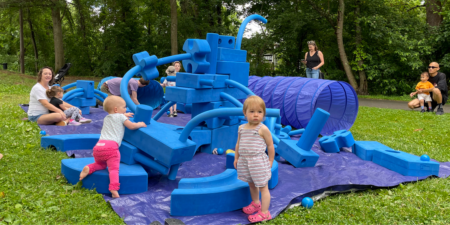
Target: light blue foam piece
[215, 194]
[339, 139]
[132, 178]
[67, 142]
[404, 163]
[190, 95]
[365, 149]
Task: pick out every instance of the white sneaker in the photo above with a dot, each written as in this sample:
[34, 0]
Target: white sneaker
[84, 120]
[73, 123]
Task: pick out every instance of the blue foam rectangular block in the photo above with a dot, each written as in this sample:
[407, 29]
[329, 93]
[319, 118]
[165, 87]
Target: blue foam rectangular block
[67, 142]
[166, 149]
[404, 163]
[224, 137]
[200, 136]
[85, 110]
[190, 80]
[226, 41]
[238, 71]
[232, 55]
[230, 161]
[365, 149]
[190, 95]
[88, 87]
[298, 157]
[127, 152]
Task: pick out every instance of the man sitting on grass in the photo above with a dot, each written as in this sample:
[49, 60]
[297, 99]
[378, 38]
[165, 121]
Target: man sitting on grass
[439, 93]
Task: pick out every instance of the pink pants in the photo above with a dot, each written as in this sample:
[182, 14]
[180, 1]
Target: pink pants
[106, 154]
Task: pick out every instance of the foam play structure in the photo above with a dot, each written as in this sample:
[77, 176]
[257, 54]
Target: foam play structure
[83, 96]
[298, 98]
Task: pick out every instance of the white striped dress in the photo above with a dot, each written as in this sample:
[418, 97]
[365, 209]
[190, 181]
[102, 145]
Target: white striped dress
[253, 164]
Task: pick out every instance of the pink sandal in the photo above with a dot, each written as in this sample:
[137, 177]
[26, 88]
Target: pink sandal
[259, 217]
[252, 208]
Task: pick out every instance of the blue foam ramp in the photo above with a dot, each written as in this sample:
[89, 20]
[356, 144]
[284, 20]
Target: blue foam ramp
[404, 163]
[67, 142]
[132, 178]
[365, 149]
[339, 139]
[215, 194]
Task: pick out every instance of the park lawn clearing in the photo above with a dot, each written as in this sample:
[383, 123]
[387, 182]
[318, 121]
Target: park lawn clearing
[33, 190]
[403, 98]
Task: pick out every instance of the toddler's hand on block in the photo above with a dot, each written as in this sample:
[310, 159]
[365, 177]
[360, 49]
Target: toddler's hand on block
[129, 115]
[142, 124]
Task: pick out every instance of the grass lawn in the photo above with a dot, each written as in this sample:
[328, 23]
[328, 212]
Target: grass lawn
[33, 190]
[403, 98]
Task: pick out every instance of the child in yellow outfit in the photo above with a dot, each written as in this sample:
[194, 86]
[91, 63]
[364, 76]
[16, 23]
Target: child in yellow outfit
[423, 96]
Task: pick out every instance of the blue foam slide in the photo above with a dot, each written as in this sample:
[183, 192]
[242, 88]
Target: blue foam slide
[404, 163]
[67, 142]
[333, 143]
[365, 149]
[133, 178]
[215, 194]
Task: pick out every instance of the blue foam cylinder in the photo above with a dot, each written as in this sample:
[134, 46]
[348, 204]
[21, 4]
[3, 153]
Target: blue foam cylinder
[143, 114]
[213, 41]
[206, 82]
[244, 24]
[231, 99]
[313, 129]
[163, 109]
[145, 160]
[171, 78]
[173, 58]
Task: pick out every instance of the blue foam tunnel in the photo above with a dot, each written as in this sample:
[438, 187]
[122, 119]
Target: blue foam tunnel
[298, 98]
[151, 95]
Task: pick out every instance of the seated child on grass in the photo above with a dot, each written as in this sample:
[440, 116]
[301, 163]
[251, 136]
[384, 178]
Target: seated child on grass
[171, 72]
[106, 151]
[55, 94]
[423, 96]
[251, 161]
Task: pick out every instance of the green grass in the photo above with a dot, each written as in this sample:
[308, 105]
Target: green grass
[36, 192]
[403, 98]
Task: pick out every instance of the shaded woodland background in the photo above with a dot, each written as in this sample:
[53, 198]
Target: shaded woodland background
[378, 46]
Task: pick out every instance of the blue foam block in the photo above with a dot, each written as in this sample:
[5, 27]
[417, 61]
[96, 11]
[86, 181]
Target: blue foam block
[216, 194]
[127, 152]
[200, 137]
[88, 87]
[234, 55]
[298, 157]
[132, 178]
[199, 49]
[190, 95]
[224, 137]
[190, 80]
[70, 141]
[186, 108]
[148, 65]
[238, 71]
[85, 110]
[161, 142]
[213, 41]
[230, 161]
[365, 149]
[198, 108]
[226, 41]
[339, 139]
[404, 163]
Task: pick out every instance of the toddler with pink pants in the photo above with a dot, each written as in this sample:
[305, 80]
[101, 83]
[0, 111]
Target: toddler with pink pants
[106, 151]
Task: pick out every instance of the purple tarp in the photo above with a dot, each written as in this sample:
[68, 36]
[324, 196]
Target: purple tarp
[334, 171]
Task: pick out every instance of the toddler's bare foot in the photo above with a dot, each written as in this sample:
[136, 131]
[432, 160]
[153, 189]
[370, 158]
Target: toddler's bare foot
[115, 194]
[1, 156]
[84, 172]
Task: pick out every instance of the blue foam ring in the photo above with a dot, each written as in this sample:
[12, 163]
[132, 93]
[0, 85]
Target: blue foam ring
[244, 24]
[163, 109]
[69, 86]
[313, 129]
[231, 99]
[217, 113]
[74, 91]
[239, 86]
[124, 87]
[173, 58]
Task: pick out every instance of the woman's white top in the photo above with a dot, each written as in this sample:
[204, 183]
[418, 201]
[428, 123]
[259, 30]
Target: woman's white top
[37, 93]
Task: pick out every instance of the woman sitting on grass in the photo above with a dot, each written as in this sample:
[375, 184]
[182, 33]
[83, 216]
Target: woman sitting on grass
[39, 106]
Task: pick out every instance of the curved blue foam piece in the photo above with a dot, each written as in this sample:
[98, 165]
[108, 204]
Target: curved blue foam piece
[124, 87]
[132, 178]
[69, 86]
[67, 142]
[333, 143]
[224, 193]
[244, 24]
[72, 92]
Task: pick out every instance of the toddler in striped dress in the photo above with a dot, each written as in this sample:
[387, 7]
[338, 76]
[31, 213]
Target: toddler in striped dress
[251, 161]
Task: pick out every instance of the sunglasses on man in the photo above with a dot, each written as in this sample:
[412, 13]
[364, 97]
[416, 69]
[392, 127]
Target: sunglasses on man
[433, 67]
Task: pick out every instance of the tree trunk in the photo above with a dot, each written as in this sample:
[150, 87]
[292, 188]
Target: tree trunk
[57, 36]
[173, 27]
[22, 48]
[433, 9]
[82, 22]
[33, 40]
[340, 41]
[363, 86]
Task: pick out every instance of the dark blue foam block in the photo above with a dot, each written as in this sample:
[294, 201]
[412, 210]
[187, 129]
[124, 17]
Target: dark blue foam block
[70, 141]
[132, 178]
[339, 139]
[405, 163]
[209, 195]
[365, 149]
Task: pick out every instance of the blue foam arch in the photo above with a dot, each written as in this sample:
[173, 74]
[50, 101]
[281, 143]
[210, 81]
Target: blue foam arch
[244, 24]
[72, 92]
